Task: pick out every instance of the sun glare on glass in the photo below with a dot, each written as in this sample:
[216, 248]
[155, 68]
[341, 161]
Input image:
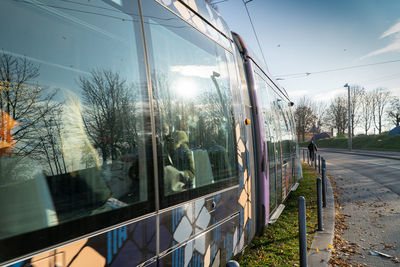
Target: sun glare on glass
[185, 87]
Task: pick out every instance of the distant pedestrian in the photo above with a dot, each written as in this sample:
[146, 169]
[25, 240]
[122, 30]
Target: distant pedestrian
[312, 148]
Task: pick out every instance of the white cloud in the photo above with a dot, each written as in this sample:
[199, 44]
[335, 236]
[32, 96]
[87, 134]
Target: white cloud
[394, 29]
[201, 71]
[297, 93]
[394, 46]
[327, 96]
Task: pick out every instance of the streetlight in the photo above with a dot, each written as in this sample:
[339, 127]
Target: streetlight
[348, 116]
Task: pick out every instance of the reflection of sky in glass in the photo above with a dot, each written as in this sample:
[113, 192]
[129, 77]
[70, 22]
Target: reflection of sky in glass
[68, 40]
[186, 61]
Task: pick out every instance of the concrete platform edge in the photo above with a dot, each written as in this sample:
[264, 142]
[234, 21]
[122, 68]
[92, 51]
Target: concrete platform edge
[324, 238]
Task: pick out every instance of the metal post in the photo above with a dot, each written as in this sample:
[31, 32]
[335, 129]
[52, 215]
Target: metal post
[319, 163]
[315, 161]
[323, 183]
[232, 263]
[302, 232]
[319, 204]
[348, 116]
[308, 158]
[304, 158]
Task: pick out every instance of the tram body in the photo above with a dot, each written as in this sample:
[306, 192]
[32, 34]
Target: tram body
[135, 133]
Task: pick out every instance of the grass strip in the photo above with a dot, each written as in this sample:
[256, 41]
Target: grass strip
[383, 142]
[279, 245]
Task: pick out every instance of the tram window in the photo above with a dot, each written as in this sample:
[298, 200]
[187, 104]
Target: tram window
[191, 89]
[284, 128]
[73, 133]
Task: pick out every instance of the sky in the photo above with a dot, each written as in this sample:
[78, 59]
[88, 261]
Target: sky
[311, 36]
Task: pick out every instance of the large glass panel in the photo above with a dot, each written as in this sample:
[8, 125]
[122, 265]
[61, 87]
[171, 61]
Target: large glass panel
[267, 128]
[73, 108]
[285, 142]
[276, 140]
[191, 89]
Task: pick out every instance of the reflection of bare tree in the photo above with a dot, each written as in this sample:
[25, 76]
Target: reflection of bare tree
[218, 117]
[109, 113]
[212, 115]
[205, 119]
[169, 105]
[49, 138]
[24, 100]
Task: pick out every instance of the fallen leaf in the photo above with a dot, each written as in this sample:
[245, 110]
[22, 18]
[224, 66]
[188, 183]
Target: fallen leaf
[388, 246]
[396, 260]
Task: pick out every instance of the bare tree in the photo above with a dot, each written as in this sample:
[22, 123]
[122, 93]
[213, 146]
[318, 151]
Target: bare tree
[49, 132]
[356, 97]
[304, 116]
[217, 115]
[320, 110]
[380, 99]
[24, 101]
[167, 103]
[109, 106]
[366, 111]
[394, 111]
[337, 115]
[204, 119]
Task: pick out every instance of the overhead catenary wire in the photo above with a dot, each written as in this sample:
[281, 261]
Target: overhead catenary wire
[306, 74]
[370, 81]
[379, 79]
[254, 31]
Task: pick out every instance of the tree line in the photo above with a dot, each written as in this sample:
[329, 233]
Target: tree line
[38, 122]
[370, 111]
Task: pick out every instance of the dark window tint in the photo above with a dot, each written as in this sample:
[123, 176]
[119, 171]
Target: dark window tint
[73, 112]
[191, 87]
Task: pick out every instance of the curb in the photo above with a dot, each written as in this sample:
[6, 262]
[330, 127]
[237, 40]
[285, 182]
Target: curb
[375, 155]
[324, 238]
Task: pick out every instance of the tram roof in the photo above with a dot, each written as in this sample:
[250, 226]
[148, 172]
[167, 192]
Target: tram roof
[204, 10]
[253, 56]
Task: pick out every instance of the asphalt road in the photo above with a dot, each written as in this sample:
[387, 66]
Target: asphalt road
[381, 170]
[368, 190]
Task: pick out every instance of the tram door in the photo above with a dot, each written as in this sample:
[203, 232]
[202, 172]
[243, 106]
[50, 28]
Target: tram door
[270, 136]
[249, 140]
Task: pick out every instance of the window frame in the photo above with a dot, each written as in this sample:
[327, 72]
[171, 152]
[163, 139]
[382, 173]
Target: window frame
[51, 237]
[31, 243]
[166, 201]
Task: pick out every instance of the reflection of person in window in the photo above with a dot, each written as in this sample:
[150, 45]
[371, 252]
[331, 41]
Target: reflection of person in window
[179, 166]
[25, 199]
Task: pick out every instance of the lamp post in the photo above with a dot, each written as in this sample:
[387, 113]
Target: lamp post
[348, 116]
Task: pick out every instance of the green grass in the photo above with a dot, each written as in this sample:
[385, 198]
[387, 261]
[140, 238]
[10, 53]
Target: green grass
[279, 246]
[383, 142]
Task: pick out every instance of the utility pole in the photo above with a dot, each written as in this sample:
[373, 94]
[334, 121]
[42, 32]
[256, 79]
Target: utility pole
[348, 116]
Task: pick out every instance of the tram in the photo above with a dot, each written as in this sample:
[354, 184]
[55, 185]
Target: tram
[135, 133]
